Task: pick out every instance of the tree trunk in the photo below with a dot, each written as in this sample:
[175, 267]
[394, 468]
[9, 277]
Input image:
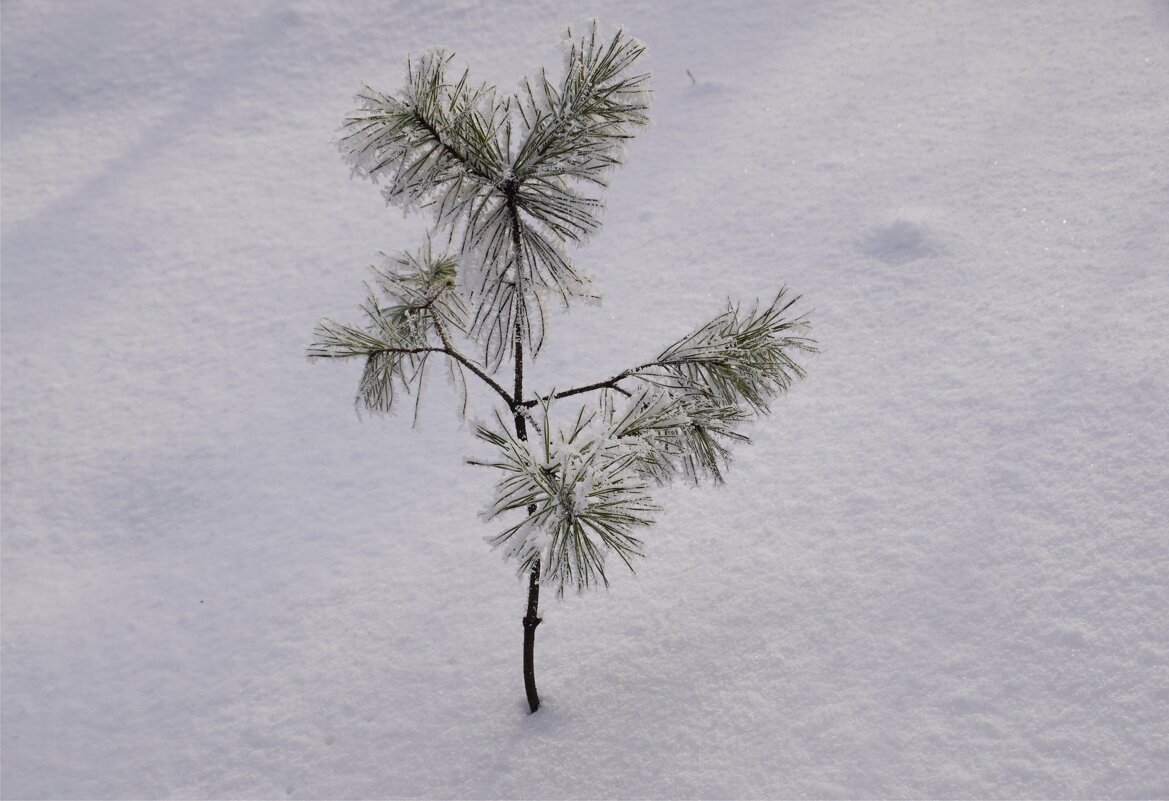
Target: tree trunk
[531, 620]
[532, 617]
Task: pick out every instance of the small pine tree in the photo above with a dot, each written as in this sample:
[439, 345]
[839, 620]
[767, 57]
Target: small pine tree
[511, 182]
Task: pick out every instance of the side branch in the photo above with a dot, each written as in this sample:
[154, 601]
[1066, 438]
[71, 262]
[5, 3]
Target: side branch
[449, 350]
[609, 383]
[737, 359]
[478, 371]
[466, 161]
[446, 350]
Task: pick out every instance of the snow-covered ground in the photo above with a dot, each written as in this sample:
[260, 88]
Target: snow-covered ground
[942, 570]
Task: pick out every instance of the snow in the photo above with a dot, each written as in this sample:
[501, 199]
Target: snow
[941, 571]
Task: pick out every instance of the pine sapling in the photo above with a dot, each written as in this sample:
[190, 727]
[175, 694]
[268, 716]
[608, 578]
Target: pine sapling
[511, 181]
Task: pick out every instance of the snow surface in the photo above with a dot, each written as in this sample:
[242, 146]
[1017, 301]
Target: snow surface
[941, 571]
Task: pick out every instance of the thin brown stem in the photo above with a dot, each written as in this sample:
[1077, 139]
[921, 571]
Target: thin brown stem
[450, 350]
[608, 383]
[531, 618]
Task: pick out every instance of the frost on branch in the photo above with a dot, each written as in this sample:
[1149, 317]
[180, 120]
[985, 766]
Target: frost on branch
[677, 433]
[738, 358]
[585, 487]
[575, 133]
[580, 492]
[505, 176]
[437, 144]
[410, 313]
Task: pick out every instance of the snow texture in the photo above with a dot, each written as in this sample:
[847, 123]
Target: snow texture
[941, 571]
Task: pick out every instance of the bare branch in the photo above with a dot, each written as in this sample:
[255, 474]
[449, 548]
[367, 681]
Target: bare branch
[479, 372]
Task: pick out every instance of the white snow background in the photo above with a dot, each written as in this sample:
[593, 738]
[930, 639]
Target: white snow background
[941, 571]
